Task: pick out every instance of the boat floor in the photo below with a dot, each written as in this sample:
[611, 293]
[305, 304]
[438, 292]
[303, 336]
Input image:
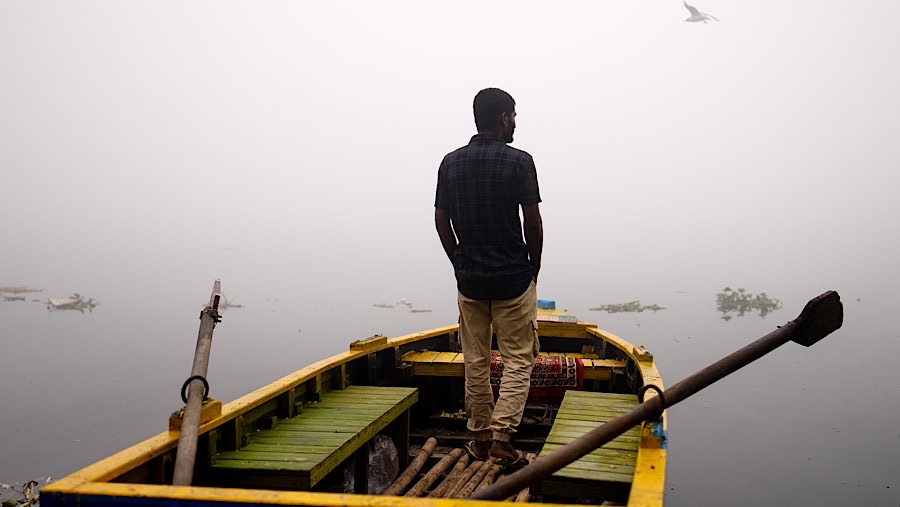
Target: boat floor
[449, 471]
[454, 474]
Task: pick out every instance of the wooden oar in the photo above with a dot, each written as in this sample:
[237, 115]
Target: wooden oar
[197, 386]
[820, 317]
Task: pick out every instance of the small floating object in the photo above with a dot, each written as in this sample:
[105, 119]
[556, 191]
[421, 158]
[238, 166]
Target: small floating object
[628, 307]
[225, 303]
[75, 302]
[383, 305]
[19, 290]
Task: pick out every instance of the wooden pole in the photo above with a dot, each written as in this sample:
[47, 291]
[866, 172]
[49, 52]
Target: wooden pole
[490, 477]
[476, 479]
[186, 455]
[525, 494]
[451, 478]
[820, 317]
[413, 469]
[446, 462]
[463, 478]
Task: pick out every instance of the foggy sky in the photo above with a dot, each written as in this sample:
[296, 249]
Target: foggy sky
[309, 133]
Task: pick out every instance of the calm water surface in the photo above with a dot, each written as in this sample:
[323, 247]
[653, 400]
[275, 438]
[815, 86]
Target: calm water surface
[813, 426]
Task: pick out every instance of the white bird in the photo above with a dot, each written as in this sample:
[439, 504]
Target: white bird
[697, 15]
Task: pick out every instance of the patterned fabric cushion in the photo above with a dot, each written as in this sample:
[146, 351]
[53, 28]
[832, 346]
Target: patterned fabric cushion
[551, 377]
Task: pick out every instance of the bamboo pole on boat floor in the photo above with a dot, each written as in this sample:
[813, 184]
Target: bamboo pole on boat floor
[476, 479]
[490, 477]
[451, 478]
[463, 478]
[820, 317]
[446, 462]
[525, 494]
[186, 454]
[413, 469]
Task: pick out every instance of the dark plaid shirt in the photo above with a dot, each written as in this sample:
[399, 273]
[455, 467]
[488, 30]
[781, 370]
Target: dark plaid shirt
[482, 185]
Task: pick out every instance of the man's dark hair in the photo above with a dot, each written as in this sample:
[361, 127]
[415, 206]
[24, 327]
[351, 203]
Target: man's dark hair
[489, 104]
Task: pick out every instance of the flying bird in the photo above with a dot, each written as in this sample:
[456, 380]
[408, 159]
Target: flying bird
[697, 15]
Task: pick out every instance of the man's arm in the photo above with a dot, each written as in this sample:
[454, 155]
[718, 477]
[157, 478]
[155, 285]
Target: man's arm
[445, 232]
[533, 227]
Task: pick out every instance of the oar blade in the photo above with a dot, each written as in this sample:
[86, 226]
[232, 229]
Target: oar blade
[821, 316]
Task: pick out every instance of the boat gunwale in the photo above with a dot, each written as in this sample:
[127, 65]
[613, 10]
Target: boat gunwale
[94, 478]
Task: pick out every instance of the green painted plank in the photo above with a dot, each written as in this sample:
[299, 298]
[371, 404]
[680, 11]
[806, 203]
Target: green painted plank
[601, 412]
[592, 460]
[611, 474]
[335, 417]
[581, 412]
[303, 469]
[601, 453]
[268, 460]
[577, 430]
[593, 415]
[345, 419]
[575, 395]
[299, 450]
[333, 440]
[597, 466]
[342, 407]
[619, 446]
[320, 425]
[594, 476]
[586, 407]
[578, 423]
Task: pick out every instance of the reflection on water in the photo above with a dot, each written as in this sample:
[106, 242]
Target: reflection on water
[739, 302]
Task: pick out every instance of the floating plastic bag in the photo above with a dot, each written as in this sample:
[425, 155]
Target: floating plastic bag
[383, 464]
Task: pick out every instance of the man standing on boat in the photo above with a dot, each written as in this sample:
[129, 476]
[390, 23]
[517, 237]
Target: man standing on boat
[480, 190]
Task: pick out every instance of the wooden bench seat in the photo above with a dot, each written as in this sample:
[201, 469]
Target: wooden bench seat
[450, 364]
[299, 452]
[612, 464]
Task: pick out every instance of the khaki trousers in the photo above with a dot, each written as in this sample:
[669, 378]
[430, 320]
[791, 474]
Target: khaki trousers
[515, 323]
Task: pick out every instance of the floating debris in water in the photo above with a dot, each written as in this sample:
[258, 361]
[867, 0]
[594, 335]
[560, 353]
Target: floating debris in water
[629, 307]
[225, 303]
[19, 290]
[402, 302]
[25, 495]
[740, 302]
[13, 298]
[75, 302]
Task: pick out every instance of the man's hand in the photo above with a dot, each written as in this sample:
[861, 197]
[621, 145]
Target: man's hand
[533, 227]
[445, 232]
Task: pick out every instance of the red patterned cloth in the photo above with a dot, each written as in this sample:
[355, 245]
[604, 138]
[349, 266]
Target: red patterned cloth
[551, 377]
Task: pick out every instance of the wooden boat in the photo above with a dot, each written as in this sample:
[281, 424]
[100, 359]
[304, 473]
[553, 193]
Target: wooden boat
[317, 436]
[299, 440]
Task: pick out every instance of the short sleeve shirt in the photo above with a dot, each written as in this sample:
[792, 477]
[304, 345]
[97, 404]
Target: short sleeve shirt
[482, 186]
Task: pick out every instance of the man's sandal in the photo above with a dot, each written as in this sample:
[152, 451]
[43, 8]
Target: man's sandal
[472, 450]
[518, 461]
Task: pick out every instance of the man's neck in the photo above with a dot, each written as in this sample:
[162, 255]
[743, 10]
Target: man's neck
[491, 133]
